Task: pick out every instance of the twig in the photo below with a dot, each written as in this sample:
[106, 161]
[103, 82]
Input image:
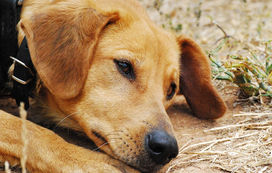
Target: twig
[252, 114]
[240, 125]
[217, 141]
[224, 32]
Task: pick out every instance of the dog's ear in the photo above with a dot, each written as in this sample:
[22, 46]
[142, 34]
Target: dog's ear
[195, 81]
[61, 41]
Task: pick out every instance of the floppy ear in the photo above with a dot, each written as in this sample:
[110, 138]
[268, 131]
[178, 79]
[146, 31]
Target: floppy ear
[195, 82]
[61, 41]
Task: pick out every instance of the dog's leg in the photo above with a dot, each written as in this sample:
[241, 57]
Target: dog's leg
[47, 152]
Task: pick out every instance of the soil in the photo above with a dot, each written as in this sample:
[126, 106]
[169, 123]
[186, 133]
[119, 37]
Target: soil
[190, 130]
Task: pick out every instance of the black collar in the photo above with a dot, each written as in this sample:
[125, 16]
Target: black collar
[9, 17]
[24, 73]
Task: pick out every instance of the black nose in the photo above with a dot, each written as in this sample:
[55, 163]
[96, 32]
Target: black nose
[161, 146]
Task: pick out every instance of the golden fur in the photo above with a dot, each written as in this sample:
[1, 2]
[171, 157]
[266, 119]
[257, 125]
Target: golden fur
[73, 44]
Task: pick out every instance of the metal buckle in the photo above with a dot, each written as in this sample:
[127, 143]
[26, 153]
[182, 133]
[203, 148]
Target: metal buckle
[20, 80]
[20, 2]
[23, 64]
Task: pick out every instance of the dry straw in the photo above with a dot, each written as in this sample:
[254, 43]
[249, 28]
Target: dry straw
[7, 170]
[241, 147]
[23, 115]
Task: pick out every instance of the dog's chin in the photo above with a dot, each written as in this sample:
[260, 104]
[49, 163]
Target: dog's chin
[141, 162]
[134, 156]
[149, 168]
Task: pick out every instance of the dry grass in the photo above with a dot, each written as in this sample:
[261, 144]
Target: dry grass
[7, 170]
[23, 115]
[241, 147]
[237, 37]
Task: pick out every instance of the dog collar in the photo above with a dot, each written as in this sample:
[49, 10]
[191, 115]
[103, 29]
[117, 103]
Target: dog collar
[9, 17]
[23, 76]
[24, 73]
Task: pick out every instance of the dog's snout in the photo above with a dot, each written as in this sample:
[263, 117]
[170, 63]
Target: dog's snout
[161, 146]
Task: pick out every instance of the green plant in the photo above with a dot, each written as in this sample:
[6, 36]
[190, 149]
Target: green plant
[252, 74]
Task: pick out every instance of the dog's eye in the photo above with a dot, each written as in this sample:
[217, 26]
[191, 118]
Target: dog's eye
[171, 91]
[125, 68]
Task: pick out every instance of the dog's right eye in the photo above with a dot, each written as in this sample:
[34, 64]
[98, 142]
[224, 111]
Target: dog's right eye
[125, 68]
[171, 91]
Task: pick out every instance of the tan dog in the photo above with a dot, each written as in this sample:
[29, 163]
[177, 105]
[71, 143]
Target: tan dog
[106, 64]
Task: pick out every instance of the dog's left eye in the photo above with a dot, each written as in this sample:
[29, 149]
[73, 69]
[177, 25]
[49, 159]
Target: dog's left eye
[125, 68]
[171, 91]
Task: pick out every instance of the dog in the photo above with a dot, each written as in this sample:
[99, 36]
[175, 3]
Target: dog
[111, 73]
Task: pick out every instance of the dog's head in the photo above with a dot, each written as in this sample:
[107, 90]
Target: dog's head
[116, 73]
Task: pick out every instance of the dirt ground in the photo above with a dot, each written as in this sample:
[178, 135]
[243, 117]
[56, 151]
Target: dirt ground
[191, 130]
[241, 141]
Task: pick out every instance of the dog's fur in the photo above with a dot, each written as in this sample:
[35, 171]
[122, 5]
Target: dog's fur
[73, 44]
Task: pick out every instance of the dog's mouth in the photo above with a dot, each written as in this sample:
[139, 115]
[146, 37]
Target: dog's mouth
[101, 143]
[135, 153]
[125, 149]
[100, 137]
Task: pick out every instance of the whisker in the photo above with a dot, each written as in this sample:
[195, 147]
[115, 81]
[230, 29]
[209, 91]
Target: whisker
[111, 141]
[65, 119]
[115, 138]
[100, 146]
[112, 135]
[117, 132]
